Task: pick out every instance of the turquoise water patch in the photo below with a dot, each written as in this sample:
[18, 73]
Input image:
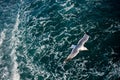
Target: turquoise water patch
[36, 35]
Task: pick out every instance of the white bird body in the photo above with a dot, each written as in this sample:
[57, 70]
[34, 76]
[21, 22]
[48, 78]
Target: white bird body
[77, 48]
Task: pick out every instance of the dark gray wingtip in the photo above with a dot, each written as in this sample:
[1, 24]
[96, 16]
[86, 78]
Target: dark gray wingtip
[66, 60]
[87, 33]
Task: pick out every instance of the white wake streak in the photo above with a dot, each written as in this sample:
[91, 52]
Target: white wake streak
[14, 42]
[2, 37]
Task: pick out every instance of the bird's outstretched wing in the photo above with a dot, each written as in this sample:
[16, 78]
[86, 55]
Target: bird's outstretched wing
[83, 40]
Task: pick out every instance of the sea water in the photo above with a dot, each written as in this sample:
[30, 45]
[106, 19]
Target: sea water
[36, 35]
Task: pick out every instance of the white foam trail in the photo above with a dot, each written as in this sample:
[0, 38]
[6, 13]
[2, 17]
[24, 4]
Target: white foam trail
[2, 37]
[13, 45]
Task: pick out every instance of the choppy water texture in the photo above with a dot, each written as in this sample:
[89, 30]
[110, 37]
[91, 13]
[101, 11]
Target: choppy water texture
[36, 35]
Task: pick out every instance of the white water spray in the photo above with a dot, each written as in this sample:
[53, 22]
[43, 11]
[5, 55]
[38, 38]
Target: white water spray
[2, 37]
[13, 45]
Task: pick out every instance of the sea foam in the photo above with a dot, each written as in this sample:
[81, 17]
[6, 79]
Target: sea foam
[13, 45]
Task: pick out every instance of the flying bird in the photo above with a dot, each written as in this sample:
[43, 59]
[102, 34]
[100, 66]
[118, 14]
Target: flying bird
[76, 48]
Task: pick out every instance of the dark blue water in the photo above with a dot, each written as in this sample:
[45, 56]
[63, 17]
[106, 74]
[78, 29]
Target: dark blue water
[36, 35]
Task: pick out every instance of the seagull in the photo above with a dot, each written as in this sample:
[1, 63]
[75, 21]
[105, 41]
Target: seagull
[76, 48]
